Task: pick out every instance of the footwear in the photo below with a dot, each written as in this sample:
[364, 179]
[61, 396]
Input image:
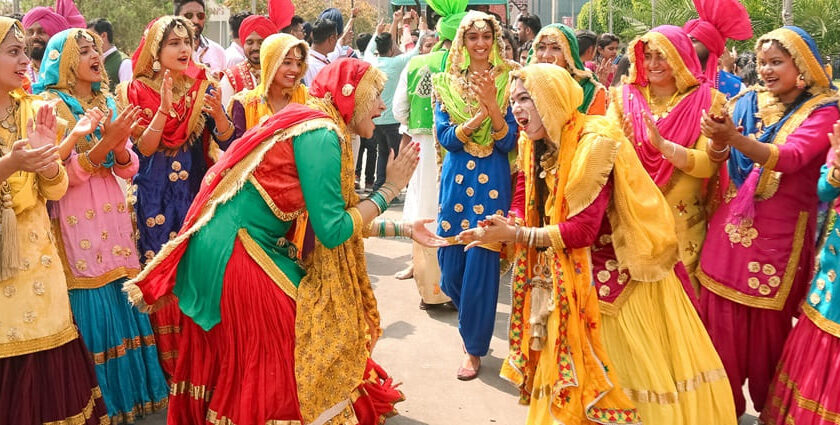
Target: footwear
[406, 273]
[465, 374]
[424, 306]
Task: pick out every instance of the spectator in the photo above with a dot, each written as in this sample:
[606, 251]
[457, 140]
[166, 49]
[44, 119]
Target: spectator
[307, 33]
[295, 28]
[746, 69]
[427, 42]
[40, 24]
[605, 58]
[324, 41]
[235, 54]
[511, 46]
[524, 51]
[586, 43]
[117, 63]
[207, 52]
[246, 74]
[362, 41]
[527, 28]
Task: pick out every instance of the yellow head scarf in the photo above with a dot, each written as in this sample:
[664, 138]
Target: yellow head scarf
[147, 52]
[590, 149]
[272, 53]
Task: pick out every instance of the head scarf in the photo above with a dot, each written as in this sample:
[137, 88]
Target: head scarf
[754, 109]
[571, 51]
[281, 12]
[272, 53]
[258, 24]
[334, 15]
[682, 124]
[451, 13]
[460, 102]
[143, 90]
[351, 85]
[719, 20]
[58, 77]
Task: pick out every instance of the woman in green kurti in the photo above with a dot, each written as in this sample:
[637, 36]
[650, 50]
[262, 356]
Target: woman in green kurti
[253, 357]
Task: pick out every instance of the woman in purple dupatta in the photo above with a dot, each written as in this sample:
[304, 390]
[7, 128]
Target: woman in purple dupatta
[660, 106]
[759, 253]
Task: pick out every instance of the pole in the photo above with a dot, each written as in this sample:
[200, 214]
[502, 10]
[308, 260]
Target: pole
[574, 14]
[652, 13]
[254, 6]
[553, 10]
[787, 12]
[591, 6]
[611, 17]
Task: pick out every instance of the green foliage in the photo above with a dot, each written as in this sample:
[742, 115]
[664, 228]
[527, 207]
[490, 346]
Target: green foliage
[632, 18]
[129, 18]
[310, 9]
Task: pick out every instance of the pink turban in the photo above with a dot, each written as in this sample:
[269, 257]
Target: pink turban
[281, 12]
[719, 20]
[65, 15]
[256, 23]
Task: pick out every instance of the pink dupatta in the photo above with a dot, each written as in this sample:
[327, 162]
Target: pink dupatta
[682, 124]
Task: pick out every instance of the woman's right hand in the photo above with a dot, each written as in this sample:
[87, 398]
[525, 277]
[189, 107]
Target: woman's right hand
[32, 160]
[399, 170]
[166, 93]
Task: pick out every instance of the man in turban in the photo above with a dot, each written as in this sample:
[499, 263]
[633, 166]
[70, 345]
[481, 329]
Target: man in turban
[718, 21]
[41, 23]
[246, 74]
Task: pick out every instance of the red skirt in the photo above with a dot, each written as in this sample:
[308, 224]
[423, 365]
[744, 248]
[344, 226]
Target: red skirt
[166, 324]
[806, 389]
[55, 385]
[242, 371]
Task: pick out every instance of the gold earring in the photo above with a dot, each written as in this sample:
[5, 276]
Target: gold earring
[800, 83]
[156, 66]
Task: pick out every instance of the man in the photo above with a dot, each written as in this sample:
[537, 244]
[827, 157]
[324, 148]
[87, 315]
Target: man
[207, 52]
[527, 27]
[235, 54]
[324, 40]
[246, 74]
[40, 24]
[117, 63]
[295, 28]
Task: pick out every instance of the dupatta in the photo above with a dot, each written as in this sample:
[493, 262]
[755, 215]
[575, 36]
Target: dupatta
[565, 36]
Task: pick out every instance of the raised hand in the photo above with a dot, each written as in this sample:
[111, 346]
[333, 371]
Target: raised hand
[399, 170]
[166, 93]
[834, 138]
[421, 234]
[32, 160]
[627, 127]
[484, 87]
[42, 131]
[88, 123]
[213, 106]
[604, 69]
[114, 133]
[655, 138]
[720, 129]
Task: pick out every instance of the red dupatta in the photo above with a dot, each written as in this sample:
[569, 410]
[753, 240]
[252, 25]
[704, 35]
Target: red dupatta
[682, 124]
[158, 280]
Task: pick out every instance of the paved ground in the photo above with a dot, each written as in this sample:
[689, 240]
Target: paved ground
[423, 350]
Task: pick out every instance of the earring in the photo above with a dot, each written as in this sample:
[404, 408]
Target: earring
[156, 66]
[800, 83]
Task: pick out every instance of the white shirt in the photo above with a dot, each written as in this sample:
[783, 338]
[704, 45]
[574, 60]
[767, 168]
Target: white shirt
[400, 106]
[125, 72]
[234, 54]
[211, 54]
[317, 61]
[227, 88]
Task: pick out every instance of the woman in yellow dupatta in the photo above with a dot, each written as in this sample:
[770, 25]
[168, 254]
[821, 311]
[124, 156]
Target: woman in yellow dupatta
[283, 65]
[570, 345]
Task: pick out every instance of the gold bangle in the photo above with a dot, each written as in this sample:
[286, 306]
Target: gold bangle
[831, 178]
[461, 135]
[773, 159]
[499, 135]
[87, 164]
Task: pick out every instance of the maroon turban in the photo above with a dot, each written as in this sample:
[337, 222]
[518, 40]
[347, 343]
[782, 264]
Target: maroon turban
[256, 23]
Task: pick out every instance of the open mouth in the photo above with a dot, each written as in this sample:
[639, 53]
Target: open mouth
[21, 74]
[184, 59]
[291, 77]
[95, 68]
[770, 80]
[376, 116]
[523, 121]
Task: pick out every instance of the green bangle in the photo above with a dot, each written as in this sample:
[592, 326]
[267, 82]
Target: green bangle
[397, 233]
[379, 199]
[382, 228]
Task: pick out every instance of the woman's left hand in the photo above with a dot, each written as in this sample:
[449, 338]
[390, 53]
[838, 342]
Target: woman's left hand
[42, 130]
[213, 106]
[423, 236]
[485, 89]
[495, 228]
[654, 136]
[834, 138]
[720, 129]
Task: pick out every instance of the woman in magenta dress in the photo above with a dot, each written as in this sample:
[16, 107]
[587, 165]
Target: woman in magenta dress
[758, 256]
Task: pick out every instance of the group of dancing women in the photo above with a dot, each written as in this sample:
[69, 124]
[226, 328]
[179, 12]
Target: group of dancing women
[663, 240]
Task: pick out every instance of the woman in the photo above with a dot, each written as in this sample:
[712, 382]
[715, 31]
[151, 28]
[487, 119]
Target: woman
[759, 252]
[46, 374]
[511, 45]
[661, 105]
[181, 109]
[254, 359]
[606, 51]
[283, 63]
[557, 44]
[474, 124]
[585, 193]
[94, 229]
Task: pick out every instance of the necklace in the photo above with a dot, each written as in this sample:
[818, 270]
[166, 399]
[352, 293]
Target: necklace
[9, 123]
[659, 108]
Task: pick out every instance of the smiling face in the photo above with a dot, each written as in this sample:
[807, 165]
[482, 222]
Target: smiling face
[659, 71]
[90, 62]
[778, 71]
[479, 41]
[610, 51]
[176, 49]
[13, 61]
[288, 73]
[549, 50]
[525, 111]
[251, 46]
[36, 41]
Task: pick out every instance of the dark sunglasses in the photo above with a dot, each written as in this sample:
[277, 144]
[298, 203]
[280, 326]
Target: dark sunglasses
[199, 15]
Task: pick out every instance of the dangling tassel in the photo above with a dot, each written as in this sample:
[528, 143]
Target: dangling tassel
[9, 251]
[743, 206]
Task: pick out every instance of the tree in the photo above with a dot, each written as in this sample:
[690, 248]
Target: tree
[310, 9]
[129, 21]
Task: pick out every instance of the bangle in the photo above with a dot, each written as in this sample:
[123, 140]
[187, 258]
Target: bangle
[152, 129]
[87, 164]
[379, 200]
[499, 135]
[832, 179]
[409, 230]
[382, 225]
[712, 148]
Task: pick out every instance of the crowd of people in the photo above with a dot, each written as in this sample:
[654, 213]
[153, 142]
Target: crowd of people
[184, 228]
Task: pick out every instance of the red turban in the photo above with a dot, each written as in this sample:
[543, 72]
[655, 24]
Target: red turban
[259, 24]
[341, 78]
[65, 15]
[719, 20]
[280, 12]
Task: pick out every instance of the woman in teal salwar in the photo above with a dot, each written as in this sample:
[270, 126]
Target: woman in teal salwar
[475, 125]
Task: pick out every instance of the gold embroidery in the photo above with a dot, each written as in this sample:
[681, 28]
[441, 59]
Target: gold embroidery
[121, 207]
[603, 276]
[768, 269]
[107, 207]
[84, 244]
[445, 225]
[754, 266]
[465, 224]
[478, 209]
[604, 291]
[282, 215]
[815, 298]
[183, 175]
[476, 150]
[764, 290]
[9, 291]
[622, 278]
[827, 325]
[173, 177]
[86, 414]
[81, 265]
[494, 194]
[832, 275]
[121, 350]
[72, 220]
[38, 288]
[459, 178]
[29, 317]
[470, 165]
[611, 265]
[753, 282]
[160, 219]
[744, 233]
[90, 214]
[470, 192]
[104, 235]
[176, 166]
[689, 385]
[458, 208]
[150, 222]
[483, 178]
[807, 404]
[197, 392]
[774, 281]
[46, 261]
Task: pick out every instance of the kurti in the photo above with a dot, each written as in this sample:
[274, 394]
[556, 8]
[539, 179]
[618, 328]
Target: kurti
[685, 192]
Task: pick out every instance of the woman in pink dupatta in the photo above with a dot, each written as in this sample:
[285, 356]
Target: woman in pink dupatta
[660, 106]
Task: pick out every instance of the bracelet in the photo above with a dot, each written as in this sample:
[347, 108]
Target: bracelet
[724, 150]
[468, 127]
[674, 146]
[152, 129]
[518, 228]
[832, 179]
[382, 225]
[499, 135]
[379, 200]
[87, 164]
[409, 229]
